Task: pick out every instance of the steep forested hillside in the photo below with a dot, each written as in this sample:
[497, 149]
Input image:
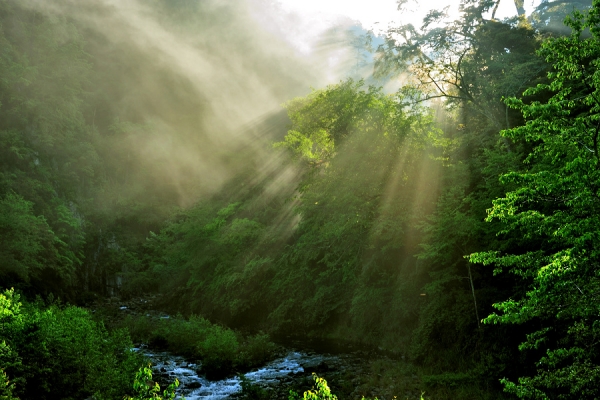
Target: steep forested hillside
[451, 223]
[103, 137]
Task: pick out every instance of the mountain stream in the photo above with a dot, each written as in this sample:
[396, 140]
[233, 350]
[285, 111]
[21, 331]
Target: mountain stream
[278, 374]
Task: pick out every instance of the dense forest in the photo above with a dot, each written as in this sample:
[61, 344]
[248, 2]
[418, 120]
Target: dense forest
[173, 148]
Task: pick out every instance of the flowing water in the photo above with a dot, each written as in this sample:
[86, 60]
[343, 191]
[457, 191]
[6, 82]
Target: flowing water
[280, 371]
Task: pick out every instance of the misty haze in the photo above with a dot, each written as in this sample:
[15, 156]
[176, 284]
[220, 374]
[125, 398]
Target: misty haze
[280, 199]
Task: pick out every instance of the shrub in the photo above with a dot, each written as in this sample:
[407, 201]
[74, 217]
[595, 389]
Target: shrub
[255, 351]
[146, 389]
[218, 352]
[251, 391]
[222, 350]
[320, 391]
[56, 353]
[6, 388]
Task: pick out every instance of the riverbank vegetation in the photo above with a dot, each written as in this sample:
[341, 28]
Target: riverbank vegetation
[223, 352]
[49, 351]
[451, 223]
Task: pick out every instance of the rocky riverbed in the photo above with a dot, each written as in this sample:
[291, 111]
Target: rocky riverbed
[273, 381]
[348, 370]
[350, 376]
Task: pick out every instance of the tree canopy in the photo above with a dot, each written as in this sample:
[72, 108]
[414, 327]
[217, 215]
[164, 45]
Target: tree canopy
[453, 221]
[553, 208]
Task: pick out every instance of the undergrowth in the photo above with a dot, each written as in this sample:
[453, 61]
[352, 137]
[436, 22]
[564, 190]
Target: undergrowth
[405, 380]
[52, 351]
[221, 350]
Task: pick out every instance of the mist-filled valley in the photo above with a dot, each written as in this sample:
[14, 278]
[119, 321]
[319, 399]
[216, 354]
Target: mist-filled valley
[372, 212]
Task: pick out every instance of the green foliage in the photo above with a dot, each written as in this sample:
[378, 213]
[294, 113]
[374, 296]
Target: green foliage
[218, 351]
[6, 388]
[548, 16]
[345, 264]
[145, 389]
[221, 349]
[323, 120]
[456, 294]
[356, 207]
[320, 391]
[211, 251]
[21, 248]
[85, 179]
[30, 246]
[46, 151]
[470, 61]
[251, 391]
[554, 210]
[62, 353]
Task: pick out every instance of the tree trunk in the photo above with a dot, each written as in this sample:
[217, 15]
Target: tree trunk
[519, 4]
[495, 9]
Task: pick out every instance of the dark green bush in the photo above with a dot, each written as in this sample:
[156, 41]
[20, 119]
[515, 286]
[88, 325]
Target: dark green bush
[320, 391]
[256, 350]
[251, 391]
[218, 352]
[147, 389]
[222, 350]
[62, 353]
[6, 387]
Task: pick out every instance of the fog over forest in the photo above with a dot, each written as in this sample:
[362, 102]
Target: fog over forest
[399, 198]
